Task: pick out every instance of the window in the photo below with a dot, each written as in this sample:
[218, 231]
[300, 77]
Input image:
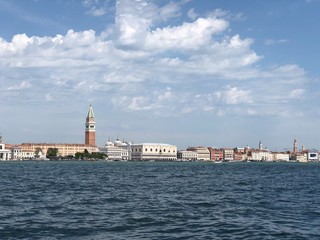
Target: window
[146, 150]
[150, 149]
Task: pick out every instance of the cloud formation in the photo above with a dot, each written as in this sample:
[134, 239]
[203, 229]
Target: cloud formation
[143, 63]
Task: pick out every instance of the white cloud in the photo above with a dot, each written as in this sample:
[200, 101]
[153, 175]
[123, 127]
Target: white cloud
[23, 85]
[170, 10]
[234, 95]
[140, 65]
[97, 8]
[296, 93]
[190, 36]
[192, 14]
[274, 41]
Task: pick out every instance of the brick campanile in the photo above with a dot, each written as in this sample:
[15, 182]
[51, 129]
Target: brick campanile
[90, 135]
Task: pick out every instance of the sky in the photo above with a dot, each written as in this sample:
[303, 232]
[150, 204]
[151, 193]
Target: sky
[219, 73]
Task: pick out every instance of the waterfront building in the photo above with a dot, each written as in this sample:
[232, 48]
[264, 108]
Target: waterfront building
[228, 154]
[300, 157]
[4, 153]
[280, 156]
[313, 155]
[260, 155]
[203, 153]
[64, 149]
[90, 130]
[216, 154]
[153, 151]
[185, 155]
[18, 154]
[117, 150]
[239, 156]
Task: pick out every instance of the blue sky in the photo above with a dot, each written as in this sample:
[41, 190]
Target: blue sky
[220, 73]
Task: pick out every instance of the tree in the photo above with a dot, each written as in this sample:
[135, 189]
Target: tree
[38, 150]
[52, 152]
[87, 155]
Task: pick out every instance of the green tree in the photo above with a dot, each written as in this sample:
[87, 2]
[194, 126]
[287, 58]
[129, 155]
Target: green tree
[86, 155]
[52, 152]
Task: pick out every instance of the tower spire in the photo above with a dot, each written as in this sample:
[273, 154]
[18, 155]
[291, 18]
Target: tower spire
[90, 132]
[295, 145]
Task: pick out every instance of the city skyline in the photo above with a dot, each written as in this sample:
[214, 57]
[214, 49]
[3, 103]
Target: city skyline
[89, 141]
[189, 73]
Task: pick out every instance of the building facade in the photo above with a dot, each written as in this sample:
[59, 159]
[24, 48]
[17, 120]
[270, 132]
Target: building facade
[18, 154]
[4, 153]
[90, 130]
[153, 151]
[260, 155]
[187, 155]
[117, 150]
[313, 155]
[203, 153]
[228, 154]
[64, 149]
[280, 156]
[216, 154]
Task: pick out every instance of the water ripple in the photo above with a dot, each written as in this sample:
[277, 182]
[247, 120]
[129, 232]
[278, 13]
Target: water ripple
[117, 200]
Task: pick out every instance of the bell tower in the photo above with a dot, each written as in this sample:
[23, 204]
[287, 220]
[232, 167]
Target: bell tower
[90, 133]
[295, 145]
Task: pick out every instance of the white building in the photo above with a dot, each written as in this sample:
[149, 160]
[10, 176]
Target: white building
[187, 155]
[4, 153]
[228, 154]
[313, 155]
[261, 155]
[117, 150]
[280, 156]
[153, 151]
[203, 153]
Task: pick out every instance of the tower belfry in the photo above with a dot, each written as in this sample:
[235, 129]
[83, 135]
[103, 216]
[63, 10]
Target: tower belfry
[295, 145]
[90, 133]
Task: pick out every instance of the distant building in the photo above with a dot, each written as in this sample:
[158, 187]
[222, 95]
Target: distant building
[187, 155]
[228, 154]
[153, 151]
[4, 153]
[260, 155]
[39, 150]
[300, 157]
[280, 156]
[18, 154]
[203, 153]
[117, 150]
[64, 149]
[295, 146]
[216, 154]
[90, 132]
[313, 155]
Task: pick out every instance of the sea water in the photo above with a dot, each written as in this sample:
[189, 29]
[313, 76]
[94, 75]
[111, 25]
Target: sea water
[159, 200]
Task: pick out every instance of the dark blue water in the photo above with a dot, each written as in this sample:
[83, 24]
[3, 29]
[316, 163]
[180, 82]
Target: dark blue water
[175, 200]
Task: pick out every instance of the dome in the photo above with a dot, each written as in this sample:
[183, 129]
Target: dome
[117, 142]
